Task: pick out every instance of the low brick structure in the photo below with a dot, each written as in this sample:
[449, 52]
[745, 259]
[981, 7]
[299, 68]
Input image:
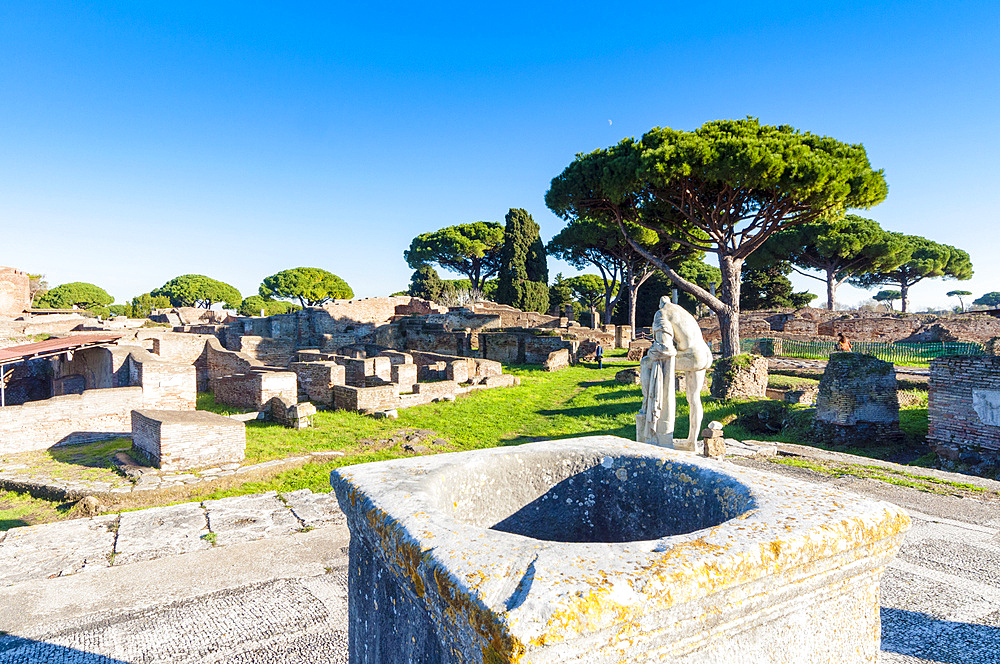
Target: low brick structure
[404, 375]
[857, 403]
[253, 390]
[181, 440]
[316, 380]
[740, 377]
[72, 418]
[964, 407]
[365, 399]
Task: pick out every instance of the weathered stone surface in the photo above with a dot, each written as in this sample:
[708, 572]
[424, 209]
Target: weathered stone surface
[857, 402]
[638, 348]
[750, 448]
[557, 359]
[741, 377]
[628, 376]
[51, 550]
[247, 518]
[553, 551]
[314, 509]
[715, 447]
[160, 531]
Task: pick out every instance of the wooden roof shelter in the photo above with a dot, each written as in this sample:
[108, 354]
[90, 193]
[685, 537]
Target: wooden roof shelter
[47, 348]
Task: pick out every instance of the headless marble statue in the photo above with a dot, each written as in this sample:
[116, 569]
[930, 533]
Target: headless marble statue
[677, 346]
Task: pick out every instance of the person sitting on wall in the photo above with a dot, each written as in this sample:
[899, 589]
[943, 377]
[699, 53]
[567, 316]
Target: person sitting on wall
[843, 343]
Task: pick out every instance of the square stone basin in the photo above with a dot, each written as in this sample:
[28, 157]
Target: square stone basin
[601, 549]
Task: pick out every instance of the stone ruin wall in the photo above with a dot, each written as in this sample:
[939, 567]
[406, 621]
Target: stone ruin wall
[72, 418]
[810, 324]
[964, 406]
[176, 441]
[857, 402]
[14, 292]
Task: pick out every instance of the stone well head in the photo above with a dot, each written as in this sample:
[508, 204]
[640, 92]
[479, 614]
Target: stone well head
[601, 549]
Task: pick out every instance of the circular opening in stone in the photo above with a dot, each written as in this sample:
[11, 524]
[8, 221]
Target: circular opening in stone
[589, 498]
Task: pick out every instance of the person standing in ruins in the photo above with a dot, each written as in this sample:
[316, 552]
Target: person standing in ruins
[600, 355]
[843, 343]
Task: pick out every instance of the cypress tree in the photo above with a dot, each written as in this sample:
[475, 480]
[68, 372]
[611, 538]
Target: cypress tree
[524, 274]
[426, 283]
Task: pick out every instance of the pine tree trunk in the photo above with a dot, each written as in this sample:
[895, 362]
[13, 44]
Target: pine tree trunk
[904, 291]
[729, 316]
[633, 290]
[831, 289]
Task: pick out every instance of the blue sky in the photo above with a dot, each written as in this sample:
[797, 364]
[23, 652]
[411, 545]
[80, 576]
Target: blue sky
[143, 140]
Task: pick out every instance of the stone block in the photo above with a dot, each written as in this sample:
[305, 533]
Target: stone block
[437, 390]
[638, 348]
[598, 550]
[365, 399]
[557, 359]
[458, 371]
[503, 380]
[628, 376]
[180, 440]
[715, 447]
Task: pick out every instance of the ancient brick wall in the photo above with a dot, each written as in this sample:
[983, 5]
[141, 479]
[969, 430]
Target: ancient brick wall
[166, 385]
[502, 347]
[221, 362]
[73, 418]
[477, 366]
[269, 351]
[871, 329]
[316, 380]
[14, 291]
[405, 376]
[253, 390]
[963, 328]
[180, 347]
[365, 399]
[964, 405]
[183, 440]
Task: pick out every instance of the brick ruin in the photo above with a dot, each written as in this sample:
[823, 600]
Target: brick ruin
[857, 402]
[808, 324]
[14, 292]
[964, 409]
[95, 392]
[372, 356]
[180, 440]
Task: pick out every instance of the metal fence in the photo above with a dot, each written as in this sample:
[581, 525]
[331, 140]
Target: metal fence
[897, 353]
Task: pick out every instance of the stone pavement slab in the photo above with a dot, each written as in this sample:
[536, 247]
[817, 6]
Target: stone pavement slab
[314, 509]
[160, 531]
[281, 599]
[285, 595]
[56, 549]
[248, 518]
